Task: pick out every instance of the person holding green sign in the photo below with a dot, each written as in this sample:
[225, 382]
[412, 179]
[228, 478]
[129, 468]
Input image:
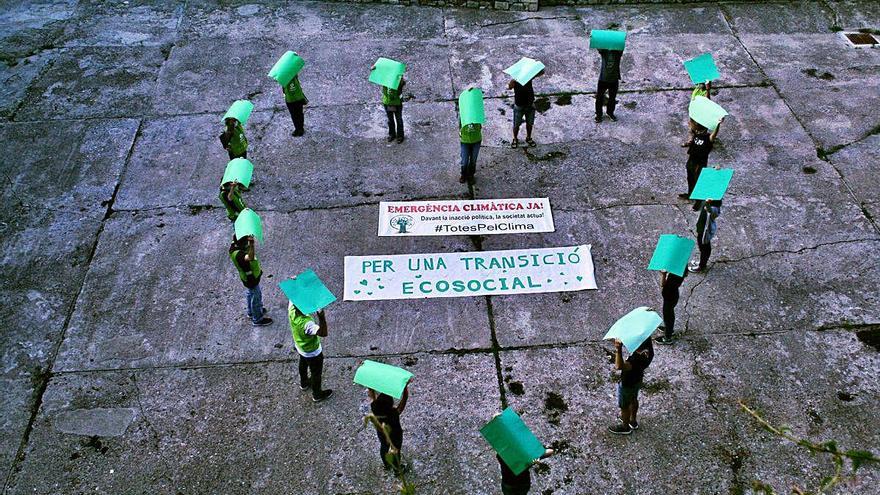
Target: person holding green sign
[233, 139]
[698, 154]
[393, 103]
[523, 109]
[242, 254]
[388, 428]
[706, 227]
[295, 99]
[609, 81]
[704, 90]
[307, 341]
[670, 284]
[632, 373]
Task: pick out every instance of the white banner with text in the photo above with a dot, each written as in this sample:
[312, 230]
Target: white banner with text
[476, 273]
[460, 217]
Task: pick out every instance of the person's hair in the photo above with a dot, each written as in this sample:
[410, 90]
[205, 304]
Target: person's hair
[647, 344]
[701, 128]
[382, 405]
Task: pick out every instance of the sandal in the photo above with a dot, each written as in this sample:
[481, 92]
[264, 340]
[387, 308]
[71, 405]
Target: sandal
[530, 142]
[514, 143]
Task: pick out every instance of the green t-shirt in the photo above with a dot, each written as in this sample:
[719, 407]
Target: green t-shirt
[293, 91]
[238, 142]
[234, 207]
[248, 271]
[391, 97]
[304, 331]
[471, 133]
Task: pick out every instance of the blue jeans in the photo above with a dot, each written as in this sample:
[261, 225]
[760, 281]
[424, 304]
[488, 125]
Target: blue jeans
[469, 153]
[254, 298]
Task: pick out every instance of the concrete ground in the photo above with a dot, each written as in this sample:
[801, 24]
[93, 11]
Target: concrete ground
[128, 366]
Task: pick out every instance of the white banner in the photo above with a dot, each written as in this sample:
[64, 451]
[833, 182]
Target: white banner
[477, 273]
[476, 217]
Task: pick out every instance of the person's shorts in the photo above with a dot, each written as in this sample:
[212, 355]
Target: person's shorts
[625, 395]
[523, 112]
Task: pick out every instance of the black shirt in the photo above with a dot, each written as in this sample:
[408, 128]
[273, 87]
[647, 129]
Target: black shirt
[523, 94]
[699, 149]
[610, 70]
[391, 418]
[672, 284]
[521, 480]
[639, 360]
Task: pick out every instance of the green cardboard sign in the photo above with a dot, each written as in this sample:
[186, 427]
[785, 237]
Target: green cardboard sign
[381, 377]
[307, 292]
[702, 69]
[286, 68]
[525, 70]
[470, 107]
[387, 72]
[607, 40]
[634, 328]
[706, 112]
[240, 110]
[249, 223]
[238, 170]
[712, 183]
[513, 440]
[672, 254]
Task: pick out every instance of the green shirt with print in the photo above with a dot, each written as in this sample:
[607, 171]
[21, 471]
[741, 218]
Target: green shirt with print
[471, 133]
[293, 91]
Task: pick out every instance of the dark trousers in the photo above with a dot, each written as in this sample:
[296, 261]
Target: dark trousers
[315, 366]
[670, 300]
[397, 440]
[693, 173]
[296, 114]
[611, 87]
[233, 156]
[395, 120]
[705, 251]
[469, 154]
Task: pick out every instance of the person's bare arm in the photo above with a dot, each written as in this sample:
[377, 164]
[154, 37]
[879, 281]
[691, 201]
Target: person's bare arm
[510, 84]
[231, 191]
[662, 279]
[403, 399]
[715, 132]
[322, 322]
[250, 252]
[619, 363]
[708, 90]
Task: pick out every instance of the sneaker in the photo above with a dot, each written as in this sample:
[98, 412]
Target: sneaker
[400, 138]
[612, 117]
[634, 425]
[620, 429]
[298, 133]
[684, 195]
[598, 118]
[664, 340]
[322, 395]
[304, 386]
[391, 138]
[264, 321]
[694, 267]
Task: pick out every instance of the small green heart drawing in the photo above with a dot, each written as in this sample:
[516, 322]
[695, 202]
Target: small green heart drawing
[381, 286]
[378, 279]
[369, 293]
[357, 292]
[548, 280]
[419, 276]
[579, 278]
[562, 273]
[566, 283]
[364, 282]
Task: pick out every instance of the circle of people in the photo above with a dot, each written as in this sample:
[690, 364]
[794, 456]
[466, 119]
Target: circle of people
[516, 447]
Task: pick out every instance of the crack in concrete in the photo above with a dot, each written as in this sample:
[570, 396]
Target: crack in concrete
[532, 18]
[154, 432]
[796, 251]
